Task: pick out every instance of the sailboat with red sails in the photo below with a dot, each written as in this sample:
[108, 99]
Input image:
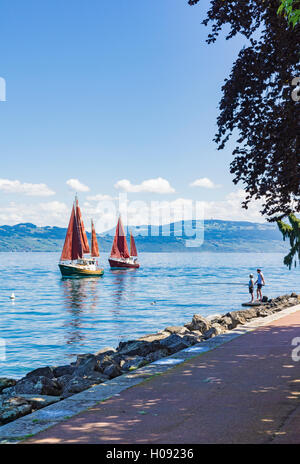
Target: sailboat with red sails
[72, 261]
[120, 257]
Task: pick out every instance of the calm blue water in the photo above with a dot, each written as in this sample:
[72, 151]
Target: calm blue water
[53, 319]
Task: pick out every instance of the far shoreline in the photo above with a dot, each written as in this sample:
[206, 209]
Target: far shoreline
[167, 252]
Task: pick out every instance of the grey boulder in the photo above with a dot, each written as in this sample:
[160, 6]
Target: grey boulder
[6, 382]
[199, 323]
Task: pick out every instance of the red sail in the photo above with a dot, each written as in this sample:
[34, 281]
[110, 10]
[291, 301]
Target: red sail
[119, 248]
[72, 247]
[66, 254]
[95, 248]
[83, 237]
[77, 250]
[133, 250]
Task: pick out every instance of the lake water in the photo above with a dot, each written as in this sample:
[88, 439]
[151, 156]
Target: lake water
[53, 319]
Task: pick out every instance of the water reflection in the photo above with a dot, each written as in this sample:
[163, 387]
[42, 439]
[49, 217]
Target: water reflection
[122, 296]
[79, 295]
[122, 286]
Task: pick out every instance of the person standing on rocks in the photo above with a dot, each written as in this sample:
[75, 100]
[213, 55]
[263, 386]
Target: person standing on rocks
[260, 282]
[251, 287]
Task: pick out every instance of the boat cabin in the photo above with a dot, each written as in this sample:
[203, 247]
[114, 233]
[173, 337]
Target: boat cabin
[86, 261]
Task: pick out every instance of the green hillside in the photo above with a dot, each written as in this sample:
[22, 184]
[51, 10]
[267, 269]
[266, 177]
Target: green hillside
[219, 236]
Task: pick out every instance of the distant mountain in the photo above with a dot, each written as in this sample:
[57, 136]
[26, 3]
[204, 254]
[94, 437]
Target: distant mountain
[219, 236]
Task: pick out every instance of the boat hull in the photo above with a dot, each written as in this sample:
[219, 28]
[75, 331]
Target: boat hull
[72, 271]
[115, 264]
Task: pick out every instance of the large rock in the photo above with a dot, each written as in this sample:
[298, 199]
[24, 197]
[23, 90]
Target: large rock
[193, 337]
[131, 363]
[36, 385]
[85, 365]
[107, 351]
[225, 321]
[189, 340]
[63, 380]
[13, 408]
[76, 385]
[155, 355]
[216, 329]
[13, 401]
[59, 371]
[278, 307]
[82, 359]
[156, 337]
[241, 317]
[196, 333]
[40, 401]
[264, 312]
[112, 371]
[174, 343]
[41, 372]
[79, 384]
[181, 330]
[138, 347]
[198, 323]
[6, 382]
[13, 413]
[251, 313]
[282, 299]
[105, 362]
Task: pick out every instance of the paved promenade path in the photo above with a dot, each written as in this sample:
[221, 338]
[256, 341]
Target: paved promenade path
[245, 391]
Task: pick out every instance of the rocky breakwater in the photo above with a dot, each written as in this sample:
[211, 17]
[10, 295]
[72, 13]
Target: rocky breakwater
[46, 385]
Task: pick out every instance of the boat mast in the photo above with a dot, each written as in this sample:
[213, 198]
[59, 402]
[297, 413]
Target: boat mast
[80, 223]
[133, 250]
[94, 243]
[119, 247]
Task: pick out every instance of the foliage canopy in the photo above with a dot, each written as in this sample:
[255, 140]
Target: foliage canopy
[292, 232]
[256, 107]
[291, 9]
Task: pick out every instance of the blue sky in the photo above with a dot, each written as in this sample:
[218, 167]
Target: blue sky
[106, 91]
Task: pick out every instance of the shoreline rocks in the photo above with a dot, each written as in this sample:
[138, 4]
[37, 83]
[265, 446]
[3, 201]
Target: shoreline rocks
[6, 383]
[49, 384]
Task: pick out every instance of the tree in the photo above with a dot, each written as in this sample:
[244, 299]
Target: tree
[289, 8]
[293, 233]
[257, 108]
[256, 105]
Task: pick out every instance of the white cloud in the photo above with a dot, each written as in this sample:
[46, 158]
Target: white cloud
[104, 213]
[231, 209]
[159, 212]
[163, 212]
[205, 183]
[158, 185]
[53, 213]
[76, 185]
[34, 190]
[99, 197]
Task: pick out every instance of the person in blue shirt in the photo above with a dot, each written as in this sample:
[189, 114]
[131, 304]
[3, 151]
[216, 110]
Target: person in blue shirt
[251, 287]
[260, 282]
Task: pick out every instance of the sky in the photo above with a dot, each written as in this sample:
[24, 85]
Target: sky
[108, 98]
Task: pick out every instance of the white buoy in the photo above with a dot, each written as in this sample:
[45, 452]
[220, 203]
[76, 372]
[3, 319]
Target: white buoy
[12, 296]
